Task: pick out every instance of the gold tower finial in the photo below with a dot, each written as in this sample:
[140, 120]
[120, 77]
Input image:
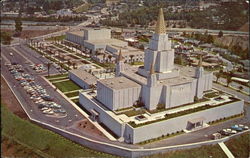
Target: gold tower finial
[152, 69]
[160, 26]
[200, 61]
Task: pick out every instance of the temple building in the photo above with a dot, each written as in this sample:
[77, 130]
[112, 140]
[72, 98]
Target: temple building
[160, 97]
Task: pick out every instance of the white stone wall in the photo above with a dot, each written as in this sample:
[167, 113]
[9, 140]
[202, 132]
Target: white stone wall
[173, 125]
[152, 96]
[74, 38]
[117, 98]
[95, 34]
[126, 97]
[105, 95]
[180, 94]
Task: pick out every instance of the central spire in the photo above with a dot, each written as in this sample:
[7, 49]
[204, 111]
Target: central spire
[160, 26]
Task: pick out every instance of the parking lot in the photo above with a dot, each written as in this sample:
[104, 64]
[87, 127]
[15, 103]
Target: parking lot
[233, 130]
[37, 93]
[58, 117]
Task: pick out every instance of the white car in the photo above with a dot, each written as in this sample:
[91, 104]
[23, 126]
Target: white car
[243, 127]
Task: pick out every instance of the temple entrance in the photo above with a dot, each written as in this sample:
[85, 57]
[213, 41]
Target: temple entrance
[94, 115]
[195, 123]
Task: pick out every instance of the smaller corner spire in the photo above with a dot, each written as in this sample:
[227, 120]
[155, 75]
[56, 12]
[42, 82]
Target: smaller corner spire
[152, 70]
[120, 56]
[200, 61]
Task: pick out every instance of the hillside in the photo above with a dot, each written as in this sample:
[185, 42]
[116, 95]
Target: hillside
[245, 27]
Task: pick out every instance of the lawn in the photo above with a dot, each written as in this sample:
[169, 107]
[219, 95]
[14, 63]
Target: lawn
[133, 112]
[239, 146]
[41, 139]
[67, 86]
[72, 94]
[211, 95]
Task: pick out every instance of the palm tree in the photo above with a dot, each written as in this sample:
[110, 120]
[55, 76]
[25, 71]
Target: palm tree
[49, 65]
[109, 56]
[104, 56]
[74, 65]
[229, 79]
[240, 88]
[218, 75]
[131, 58]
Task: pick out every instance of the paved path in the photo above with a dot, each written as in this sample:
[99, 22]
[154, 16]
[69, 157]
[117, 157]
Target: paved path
[60, 81]
[226, 150]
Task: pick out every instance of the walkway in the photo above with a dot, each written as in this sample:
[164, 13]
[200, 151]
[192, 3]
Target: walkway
[226, 150]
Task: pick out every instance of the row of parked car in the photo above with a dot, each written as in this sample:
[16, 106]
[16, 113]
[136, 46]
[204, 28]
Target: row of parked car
[233, 130]
[36, 92]
[38, 67]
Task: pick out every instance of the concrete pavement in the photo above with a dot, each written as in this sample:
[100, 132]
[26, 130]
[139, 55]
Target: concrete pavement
[226, 150]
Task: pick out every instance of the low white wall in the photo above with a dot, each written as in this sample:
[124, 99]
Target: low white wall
[173, 125]
[104, 117]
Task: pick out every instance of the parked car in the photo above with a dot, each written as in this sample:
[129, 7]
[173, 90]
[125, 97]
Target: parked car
[47, 98]
[243, 127]
[236, 128]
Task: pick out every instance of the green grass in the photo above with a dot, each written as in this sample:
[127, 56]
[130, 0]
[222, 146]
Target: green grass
[137, 63]
[239, 146]
[41, 139]
[211, 95]
[213, 151]
[82, 8]
[56, 76]
[11, 147]
[67, 86]
[133, 112]
[161, 138]
[75, 100]
[72, 94]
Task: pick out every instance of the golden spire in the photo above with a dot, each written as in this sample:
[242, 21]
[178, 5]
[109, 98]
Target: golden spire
[160, 26]
[200, 61]
[152, 69]
[119, 56]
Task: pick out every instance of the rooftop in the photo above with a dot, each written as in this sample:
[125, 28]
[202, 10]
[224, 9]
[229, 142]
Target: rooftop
[107, 42]
[85, 76]
[119, 83]
[78, 33]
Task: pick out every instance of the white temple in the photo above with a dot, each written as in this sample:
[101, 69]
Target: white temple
[159, 83]
[165, 82]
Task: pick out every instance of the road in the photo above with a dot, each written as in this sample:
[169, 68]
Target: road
[231, 91]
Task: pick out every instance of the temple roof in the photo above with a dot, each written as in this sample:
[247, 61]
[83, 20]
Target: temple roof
[160, 26]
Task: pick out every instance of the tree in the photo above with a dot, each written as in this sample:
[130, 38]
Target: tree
[131, 58]
[18, 25]
[220, 34]
[109, 56]
[49, 65]
[210, 39]
[218, 75]
[240, 88]
[5, 38]
[229, 79]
